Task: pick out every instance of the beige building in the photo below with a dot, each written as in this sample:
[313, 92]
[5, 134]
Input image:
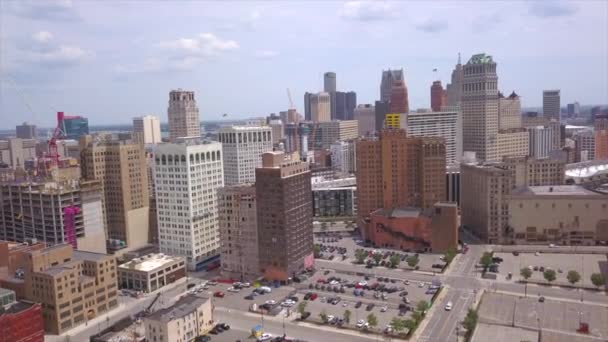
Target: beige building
[15, 151]
[564, 214]
[151, 272]
[513, 143]
[121, 168]
[149, 128]
[509, 116]
[189, 317]
[365, 114]
[239, 232]
[184, 120]
[320, 107]
[72, 286]
[327, 133]
[485, 188]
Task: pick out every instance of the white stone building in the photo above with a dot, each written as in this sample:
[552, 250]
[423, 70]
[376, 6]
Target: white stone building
[343, 156]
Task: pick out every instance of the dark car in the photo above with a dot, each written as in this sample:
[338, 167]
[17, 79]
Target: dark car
[294, 298]
[224, 326]
[249, 297]
[307, 296]
[358, 304]
[305, 315]
[541, 299]
[326, 272]
[191, 285]
[369, 307]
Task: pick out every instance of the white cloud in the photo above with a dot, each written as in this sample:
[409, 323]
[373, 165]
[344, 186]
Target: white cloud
[51, 10]
[266, 54]
[42, 49]
[42, 36]
[203, 45]
[367, 10]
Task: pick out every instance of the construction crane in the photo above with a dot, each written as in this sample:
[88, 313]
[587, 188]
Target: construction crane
[51, 159]
[291, 106]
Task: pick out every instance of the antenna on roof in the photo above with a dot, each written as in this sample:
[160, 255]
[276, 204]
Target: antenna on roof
[459, 58]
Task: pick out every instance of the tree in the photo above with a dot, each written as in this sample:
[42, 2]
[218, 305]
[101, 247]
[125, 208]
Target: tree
[360, 255]
[410, 324]
[398, 324]
[417, 316]
[302, 307]
[372, 320]
[525, 273]
[317, 250]
[470, 321]
[573, 277]
[323, 316]
[486, 260]
[346, 316]
[412, 261]
[394, 260]
[550, 275]
[597, 279]
[422, 306]
[450, 254]
[377, 258]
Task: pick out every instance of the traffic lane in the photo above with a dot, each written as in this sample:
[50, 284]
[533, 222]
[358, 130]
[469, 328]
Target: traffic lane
[461, 302]
[439, 317]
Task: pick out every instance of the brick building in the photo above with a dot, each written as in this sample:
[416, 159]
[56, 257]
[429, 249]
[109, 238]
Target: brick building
[21, 322]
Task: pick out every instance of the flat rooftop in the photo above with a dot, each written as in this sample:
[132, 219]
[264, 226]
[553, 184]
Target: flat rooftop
[150, 262]
[398, 212]
[90, 256]
[555, 190]
[184, 306]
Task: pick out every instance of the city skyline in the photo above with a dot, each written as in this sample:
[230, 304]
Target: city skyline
[67, 47]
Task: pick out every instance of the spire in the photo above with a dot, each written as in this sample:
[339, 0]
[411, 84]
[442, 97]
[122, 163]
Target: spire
[459, 58]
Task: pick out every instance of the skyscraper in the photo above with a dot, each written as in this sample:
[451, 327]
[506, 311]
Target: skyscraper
[121, 168]
[574, 109]
[454, 88]
[509, 111]
[382, 108]
[329, 82]
[345, 105]
[445, 124]
[365, 114]
[149, 128]
[389, 77]
[26, 131]
[551, 104]
[307, 110]
[399, 100]
[75, 127]
[438, 96]
[243, 147]
[183, 115]
[187, 208]
[284, 210]
[320, 107]
[479, 107]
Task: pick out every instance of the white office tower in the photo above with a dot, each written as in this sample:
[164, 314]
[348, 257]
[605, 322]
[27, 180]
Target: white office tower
[187, 176]
[243, 147]
[149, 128]
[446, 125]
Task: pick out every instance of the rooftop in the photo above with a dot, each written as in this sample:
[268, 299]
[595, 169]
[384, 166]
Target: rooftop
[150, 262]
[184, 306]
[89, 256]
[480, 58]
[554, 190]
[398, 212]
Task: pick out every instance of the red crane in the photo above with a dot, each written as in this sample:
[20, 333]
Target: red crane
[51, 159]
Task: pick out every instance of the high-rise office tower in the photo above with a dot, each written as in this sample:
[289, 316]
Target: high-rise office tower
[454, 88]
[326, 133]
[284, 210]
[395, 170]
[121, 168]
[188, 174]
[438, 96]
[389, 77]
[445, 124]
[343, 156]
[75, 127]
[574, 109]
[512, 140]
[243, 147]
[149, 128]
[238, 224]
[329, 82]
[382, 108]
[399, 100]
[307, 109]
[345, 103]
[320, 107]
[365, 114]
[479, 107]
[26, 131]
[551, 104]
[184, 120]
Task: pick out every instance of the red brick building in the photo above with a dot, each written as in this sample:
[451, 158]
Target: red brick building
[438, 96]
[22, 322]
[399, 98]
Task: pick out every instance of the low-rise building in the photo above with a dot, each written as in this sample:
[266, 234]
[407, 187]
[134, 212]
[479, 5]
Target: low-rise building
[151, 272]
[20, 321]
[189, 317]
[561, 214]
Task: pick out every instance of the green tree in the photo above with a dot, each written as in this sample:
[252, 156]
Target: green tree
[450, 254]
[394, 260]
[317, 250]
[398, 324]
[412, 260]
[486, 260]
[360, 255]
[470, 321]
[525, 273]
[372, 320]
[573, 277]
[597, 279]
[410, 324]
[323, 316]
[417, 316]
[550, 275]
[377, 258]
[346, 316]
[422, 306]
[302, 307]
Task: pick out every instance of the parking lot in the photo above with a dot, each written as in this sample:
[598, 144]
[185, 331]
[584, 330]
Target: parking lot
[351, 244]
[584, 264]
[530, 313]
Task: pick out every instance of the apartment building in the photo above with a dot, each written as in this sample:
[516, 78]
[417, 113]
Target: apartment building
[243, 147]
[284, 211]
[513, 142]
[187, 175]
[239, 232]
[585, 146]
[190, 317]
[120, 166]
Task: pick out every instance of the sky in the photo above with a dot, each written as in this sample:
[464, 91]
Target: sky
[114, 60]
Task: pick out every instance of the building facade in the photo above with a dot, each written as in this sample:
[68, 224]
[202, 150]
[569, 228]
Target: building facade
[320, 107]
[239, 232]
[75, 127]
[601, 144]
[399, 98]
[327, 133]
[389, 77]
[334, 197]
[191, 316]
[184, 120]
[14, 152]
[343, 156]
[283, 192]
[26, 131]
[552, 104]
[188, 174]
[365, 114]
[242, 148]
[514, 142]
[21, 322]
[445, 124]
[150, 272]
[454, 88]
[541, 139]
[149, 128]
[438, 97]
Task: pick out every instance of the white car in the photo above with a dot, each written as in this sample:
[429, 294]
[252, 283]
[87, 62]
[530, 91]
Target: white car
[361, 323]
[288, 303]
[330, 318]
[362, 283]
[448, 306]
[245, 284]
[421, 284]
[344, 304]
[334, 282]
[233, 289]
[271, 302]
[406, 282]
[551, 245]
[388, 329]
[265, 337]
[383, 309]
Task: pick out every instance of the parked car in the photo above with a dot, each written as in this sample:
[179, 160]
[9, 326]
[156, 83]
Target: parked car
[360, 323]
[265, 337]
[249, 297]
[224, 326]
[541, 299]
[369, 307]
[358, 304]
[448, 306]
[219, 294]
[305, 315]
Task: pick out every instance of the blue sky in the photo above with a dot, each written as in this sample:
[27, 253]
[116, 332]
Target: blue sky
[111, 61]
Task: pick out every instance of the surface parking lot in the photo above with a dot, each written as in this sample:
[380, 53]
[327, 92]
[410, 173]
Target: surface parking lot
[237, 301]
[551, 315]
[351, 244]
[584, 264]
